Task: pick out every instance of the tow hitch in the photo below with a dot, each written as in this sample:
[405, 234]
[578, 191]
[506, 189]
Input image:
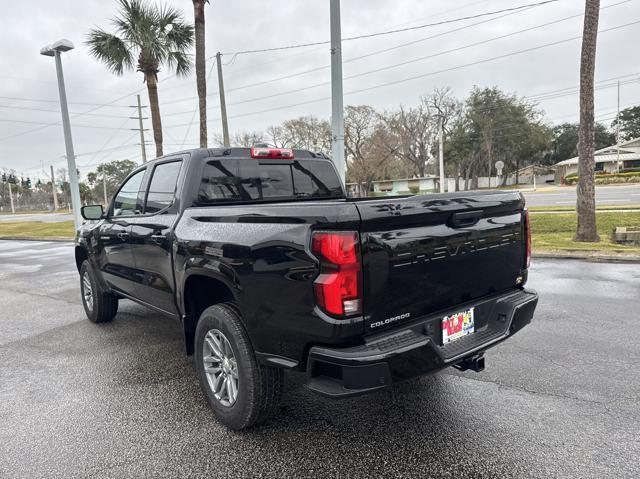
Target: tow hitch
[475, 363]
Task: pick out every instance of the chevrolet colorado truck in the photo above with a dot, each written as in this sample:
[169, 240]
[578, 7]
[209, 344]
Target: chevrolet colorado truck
[269, 266]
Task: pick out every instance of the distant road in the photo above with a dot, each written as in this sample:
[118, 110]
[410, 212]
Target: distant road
[566, 196]
[45, 217]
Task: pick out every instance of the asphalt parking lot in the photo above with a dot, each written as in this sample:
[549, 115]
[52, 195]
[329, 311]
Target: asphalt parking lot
[560, 399]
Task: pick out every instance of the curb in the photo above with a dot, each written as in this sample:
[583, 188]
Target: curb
[593, 258]
[58, 239]
[557, 212]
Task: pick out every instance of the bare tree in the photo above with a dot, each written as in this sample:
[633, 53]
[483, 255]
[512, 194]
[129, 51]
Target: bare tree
[445, 106]
[277, 137]
[586, 201]
[241, 139]
[412, 132]
[366, 159]
[306, 132]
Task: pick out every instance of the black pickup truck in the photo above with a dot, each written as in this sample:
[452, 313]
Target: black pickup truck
[269, 267]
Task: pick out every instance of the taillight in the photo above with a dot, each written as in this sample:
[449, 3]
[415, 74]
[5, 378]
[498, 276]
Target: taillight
[527, 232]
[338, 287]
[272, 153]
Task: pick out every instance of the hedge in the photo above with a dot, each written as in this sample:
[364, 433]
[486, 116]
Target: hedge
[607, 178]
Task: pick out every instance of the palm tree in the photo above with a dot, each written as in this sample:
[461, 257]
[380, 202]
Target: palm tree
[146, 37]
[201, 79]
[586, 202]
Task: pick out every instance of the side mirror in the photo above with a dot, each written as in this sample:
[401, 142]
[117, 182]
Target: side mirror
[92, 212]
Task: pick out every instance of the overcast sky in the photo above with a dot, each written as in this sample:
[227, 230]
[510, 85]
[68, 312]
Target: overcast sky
[105, 133]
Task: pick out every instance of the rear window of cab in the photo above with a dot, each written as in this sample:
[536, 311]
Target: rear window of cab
[251, 180]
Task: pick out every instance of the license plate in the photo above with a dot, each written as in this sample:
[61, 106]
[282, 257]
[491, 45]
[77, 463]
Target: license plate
[457, 326]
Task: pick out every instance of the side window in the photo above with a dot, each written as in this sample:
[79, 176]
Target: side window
[126, 201]
[162, 188]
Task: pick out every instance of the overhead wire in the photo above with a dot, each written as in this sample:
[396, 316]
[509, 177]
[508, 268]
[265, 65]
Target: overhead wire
[389, 32]
[424, 75]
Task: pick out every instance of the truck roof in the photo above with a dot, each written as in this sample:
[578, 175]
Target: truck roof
[241, 152]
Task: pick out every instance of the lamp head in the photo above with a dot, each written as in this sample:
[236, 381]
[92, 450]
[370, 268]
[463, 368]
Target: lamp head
[62, 45]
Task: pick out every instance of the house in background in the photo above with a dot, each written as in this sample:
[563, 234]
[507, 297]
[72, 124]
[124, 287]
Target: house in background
[526, 175]
[610, 159]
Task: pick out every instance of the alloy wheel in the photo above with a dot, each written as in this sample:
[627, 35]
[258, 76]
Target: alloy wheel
[220, 367]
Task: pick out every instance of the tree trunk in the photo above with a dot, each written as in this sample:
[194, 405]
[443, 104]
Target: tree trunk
[201, 79]
[152, 87]
[586, 202]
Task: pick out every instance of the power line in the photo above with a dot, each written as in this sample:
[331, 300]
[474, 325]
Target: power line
[389, 32]
[535, 97]
[97, 107]
[279, 58]
[376, 52]
[20, 108]
[424, 75]
[49, 124]
[388, 67]
[42, 100]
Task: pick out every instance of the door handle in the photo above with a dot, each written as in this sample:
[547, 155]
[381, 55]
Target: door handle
[158, 239]
[465, 219]
[123, 235]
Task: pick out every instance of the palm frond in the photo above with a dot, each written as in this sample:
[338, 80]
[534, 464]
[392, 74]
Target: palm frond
[180, 62]
[111, 50]
[180, 37]
[147, 33]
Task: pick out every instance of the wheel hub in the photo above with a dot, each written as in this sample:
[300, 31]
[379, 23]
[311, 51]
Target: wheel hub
[220, 367]
[87, 291]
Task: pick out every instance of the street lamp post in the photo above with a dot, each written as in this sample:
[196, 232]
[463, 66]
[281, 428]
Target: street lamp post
[55, 50]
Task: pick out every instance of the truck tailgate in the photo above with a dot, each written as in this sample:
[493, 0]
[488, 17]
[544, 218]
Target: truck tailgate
[432, 253]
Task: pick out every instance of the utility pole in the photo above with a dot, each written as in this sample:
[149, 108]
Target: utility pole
[223, 103]
[618, 131]
[441, 154]
[337, 107]
[104, 189]
[53, 190]
[13, 209]
[140, 128]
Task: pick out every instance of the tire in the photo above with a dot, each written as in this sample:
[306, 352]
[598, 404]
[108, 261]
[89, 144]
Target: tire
[257, 388]
[100, 306]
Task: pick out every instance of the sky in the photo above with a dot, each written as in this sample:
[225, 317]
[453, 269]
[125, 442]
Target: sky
[267, 88]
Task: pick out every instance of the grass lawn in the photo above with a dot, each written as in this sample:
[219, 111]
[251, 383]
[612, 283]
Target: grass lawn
[37, 229]
[551, 232]
[555, 231]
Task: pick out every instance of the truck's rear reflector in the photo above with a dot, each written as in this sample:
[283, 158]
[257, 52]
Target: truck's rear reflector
[338, 287]
[527, 232]
[261, 153]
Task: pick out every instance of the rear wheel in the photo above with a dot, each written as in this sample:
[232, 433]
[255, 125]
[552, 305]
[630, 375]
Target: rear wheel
[100, 306]
[240, 391]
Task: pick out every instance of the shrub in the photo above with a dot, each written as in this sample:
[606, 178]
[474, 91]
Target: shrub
[608, 178]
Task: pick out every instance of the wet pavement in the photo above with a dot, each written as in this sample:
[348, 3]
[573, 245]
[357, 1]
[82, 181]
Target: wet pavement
[559, 399]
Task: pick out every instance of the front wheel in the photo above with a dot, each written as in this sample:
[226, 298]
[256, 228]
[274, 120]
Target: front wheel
[240, 391]
[100, 306]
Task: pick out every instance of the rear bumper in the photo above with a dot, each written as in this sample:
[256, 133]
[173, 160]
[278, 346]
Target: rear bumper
[416, 349]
